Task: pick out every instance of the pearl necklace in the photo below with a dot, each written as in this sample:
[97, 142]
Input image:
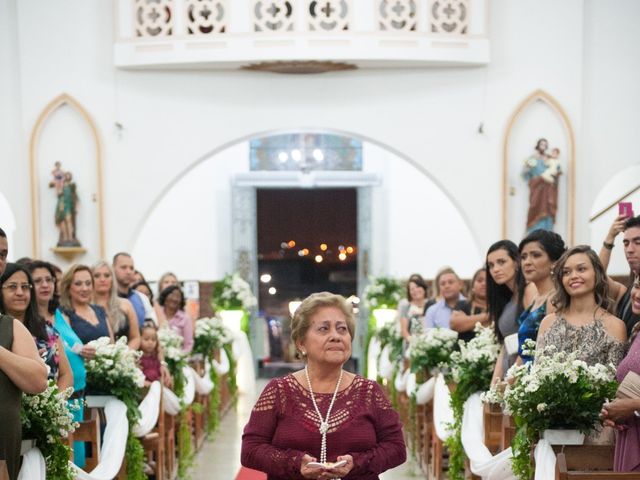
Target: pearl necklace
[324, 423]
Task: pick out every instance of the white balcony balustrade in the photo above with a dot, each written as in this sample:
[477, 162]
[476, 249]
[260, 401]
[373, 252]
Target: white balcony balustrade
[300, 36]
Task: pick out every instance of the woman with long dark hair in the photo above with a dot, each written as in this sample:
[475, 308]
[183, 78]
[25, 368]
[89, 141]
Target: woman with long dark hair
[23, 305]
[412, 310]
[505, 290]
[538, 253]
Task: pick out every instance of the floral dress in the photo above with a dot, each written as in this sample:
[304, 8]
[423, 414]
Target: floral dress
[48, 350]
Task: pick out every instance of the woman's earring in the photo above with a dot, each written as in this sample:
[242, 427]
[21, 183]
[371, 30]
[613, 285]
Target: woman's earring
[304, 354]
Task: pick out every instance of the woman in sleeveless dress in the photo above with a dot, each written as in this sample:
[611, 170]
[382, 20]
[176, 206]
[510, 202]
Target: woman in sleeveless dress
[582, 322]
[122, 318]
[538, 253]
[21, 370]
[505, 289]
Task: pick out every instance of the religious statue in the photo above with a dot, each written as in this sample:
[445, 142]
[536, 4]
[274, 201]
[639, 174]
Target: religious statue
[542, 170]
[66, 206]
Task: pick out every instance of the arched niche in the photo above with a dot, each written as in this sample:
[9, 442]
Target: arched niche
[65, 128]
[539, 115]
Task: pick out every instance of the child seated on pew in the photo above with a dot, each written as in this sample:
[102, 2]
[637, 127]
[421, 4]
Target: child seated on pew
[150, 361]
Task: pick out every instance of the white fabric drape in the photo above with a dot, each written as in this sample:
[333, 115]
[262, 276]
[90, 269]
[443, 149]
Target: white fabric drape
[114, 440]
[481, 461]
[545, 460]
[442, 413]
[203, 384]
[424, 393]
[149, 410]
[245, 374]
[372, 358]
[386, 366]
[33, 466]
[400, 381]
[171, 402]
[222, 367]
[189, 387]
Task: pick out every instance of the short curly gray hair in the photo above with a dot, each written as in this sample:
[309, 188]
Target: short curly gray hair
[310, 306]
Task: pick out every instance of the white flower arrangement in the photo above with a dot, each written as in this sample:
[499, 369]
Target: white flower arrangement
[432, 349]
[113, 364]
[47, 417]
[233, 292]
[382, 292]
[558, 391]
[479, 354]
[210, 334]
[171, 343]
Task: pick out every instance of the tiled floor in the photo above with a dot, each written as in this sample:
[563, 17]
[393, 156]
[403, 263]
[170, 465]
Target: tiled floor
[219, 458]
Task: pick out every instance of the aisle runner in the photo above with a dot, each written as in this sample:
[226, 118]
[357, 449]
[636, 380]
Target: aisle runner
[248, 474]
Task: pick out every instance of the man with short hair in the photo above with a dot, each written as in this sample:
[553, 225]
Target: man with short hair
[124, 271]
[449, 286]
[4, 250]
[630, 226]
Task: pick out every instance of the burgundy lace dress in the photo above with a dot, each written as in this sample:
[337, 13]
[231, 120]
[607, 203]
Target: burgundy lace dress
[284, 427]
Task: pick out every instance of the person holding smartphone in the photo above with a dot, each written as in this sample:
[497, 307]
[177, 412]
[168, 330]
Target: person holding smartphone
[629, 226]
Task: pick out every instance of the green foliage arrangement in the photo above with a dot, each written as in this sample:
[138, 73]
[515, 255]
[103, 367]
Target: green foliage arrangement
[47, 417]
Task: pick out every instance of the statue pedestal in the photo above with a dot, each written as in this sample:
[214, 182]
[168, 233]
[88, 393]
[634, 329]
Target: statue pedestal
[69, 253]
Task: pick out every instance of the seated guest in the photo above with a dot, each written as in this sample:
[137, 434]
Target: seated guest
[144, 288]
[468, 313]
[21, 370]
[624, 412]
[150, 362]
[449, 286]
[167, 279]
[538, 253]
[124, 272]
[172, 302]
[412, 309]
[582, 322]
[19, 301]
[122, 318]
[323, 413]
[505, 290]
[78, 322]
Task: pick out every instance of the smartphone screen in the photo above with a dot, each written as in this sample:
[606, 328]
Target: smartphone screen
[626, 209]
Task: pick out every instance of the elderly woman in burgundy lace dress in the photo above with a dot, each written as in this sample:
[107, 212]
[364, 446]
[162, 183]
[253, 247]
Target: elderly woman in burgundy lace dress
[323, 422]
[624, 413]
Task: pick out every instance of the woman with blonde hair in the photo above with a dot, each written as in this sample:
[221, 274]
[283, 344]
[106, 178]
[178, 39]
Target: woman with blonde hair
[120, 314]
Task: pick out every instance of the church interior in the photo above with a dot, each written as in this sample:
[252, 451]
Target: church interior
[223, 160]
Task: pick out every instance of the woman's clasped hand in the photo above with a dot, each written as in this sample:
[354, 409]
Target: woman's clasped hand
[308, 469]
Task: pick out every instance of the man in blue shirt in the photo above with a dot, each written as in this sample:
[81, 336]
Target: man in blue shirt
[124, 273]
[449, 286]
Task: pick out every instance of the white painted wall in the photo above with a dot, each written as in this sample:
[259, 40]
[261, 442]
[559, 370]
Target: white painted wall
[584, 53]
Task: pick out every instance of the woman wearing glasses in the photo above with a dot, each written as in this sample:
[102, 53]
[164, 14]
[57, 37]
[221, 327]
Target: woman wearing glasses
[19, 300]
[21, 370]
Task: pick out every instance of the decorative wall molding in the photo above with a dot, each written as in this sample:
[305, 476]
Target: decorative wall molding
[58, 102]
[224, 34]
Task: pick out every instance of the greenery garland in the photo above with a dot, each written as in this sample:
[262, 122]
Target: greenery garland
[214, 402]
[231, 375]
[185, 454]
[134, 457]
